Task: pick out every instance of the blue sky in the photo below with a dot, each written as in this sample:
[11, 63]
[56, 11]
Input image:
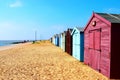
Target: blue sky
[19, 19]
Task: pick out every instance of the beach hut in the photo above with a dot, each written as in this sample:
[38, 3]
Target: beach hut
[53, 39]
[69, 41]
[78, 43]
[102, 44]
[60, 40]
[63, 40]
[50, 39]
[57, 40]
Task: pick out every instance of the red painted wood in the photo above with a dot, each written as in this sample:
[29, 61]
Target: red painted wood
[97, 44]
[98, 58]
[86, 47]
[97, 39]
[68, 42]
[94, 48]
[91, 44]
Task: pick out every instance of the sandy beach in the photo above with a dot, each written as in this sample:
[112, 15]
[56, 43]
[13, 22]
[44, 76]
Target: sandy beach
[42, 61]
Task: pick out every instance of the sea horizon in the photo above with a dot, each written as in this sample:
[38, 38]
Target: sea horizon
[9, 42]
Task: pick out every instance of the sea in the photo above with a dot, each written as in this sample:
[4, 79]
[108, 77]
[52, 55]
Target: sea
[8, 42]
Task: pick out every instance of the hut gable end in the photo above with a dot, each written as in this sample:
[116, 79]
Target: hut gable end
[97, 18]
[77, 30]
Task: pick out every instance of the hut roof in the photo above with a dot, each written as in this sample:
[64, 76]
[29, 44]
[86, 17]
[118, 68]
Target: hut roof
[113, 18]
[81, 29]
[70, 30]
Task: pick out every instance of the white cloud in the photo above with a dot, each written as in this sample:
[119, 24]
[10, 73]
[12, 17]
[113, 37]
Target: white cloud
[17, 3]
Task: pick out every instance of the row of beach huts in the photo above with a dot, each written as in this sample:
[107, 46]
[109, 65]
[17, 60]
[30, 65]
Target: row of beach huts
[97, 44]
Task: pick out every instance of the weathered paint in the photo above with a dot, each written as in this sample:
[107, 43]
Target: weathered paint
[97, 45]
[69, 41]
[78, 43]
[101, 46]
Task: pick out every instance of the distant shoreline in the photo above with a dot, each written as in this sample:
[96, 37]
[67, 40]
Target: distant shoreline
[12, 46]
[18, 42]
[11, 42]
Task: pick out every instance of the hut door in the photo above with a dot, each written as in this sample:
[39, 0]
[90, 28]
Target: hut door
[77, 46]
[97, 37]
[91, 48]
[94, 48]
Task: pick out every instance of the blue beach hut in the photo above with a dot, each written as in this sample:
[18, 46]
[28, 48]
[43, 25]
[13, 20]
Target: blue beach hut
[78, 43]
[56, 40]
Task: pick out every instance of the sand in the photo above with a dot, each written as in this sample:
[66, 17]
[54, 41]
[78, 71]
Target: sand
[43, 61]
